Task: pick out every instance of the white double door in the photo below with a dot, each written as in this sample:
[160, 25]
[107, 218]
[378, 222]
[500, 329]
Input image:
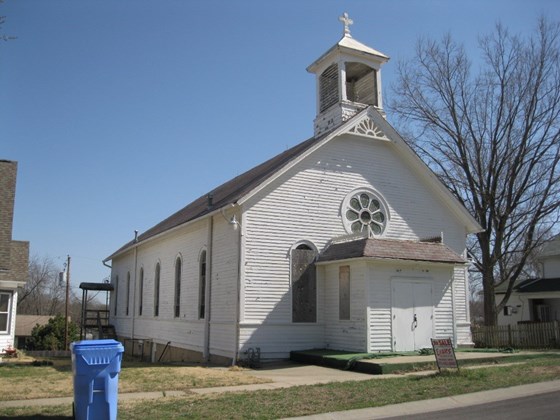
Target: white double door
[413, 314]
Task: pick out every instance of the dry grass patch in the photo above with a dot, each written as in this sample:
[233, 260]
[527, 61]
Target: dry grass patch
[29, 382]
[181, 378]
[542, 370]
[21, 382]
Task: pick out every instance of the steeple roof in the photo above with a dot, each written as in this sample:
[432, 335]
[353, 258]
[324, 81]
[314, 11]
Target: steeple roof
[348, 45]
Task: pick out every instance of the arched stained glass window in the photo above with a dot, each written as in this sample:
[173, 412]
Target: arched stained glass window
[202, 286]
[178, 269]
[140, 291]
[156, 289]
[304, 284]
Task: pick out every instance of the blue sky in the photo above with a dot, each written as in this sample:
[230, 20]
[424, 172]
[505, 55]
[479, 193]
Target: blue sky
[121, 112]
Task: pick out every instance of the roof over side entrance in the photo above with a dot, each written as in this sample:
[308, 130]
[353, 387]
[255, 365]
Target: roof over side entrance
[391, 249]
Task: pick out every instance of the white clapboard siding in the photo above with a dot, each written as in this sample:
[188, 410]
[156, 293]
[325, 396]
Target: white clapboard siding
[222, 339]
[460, 291]
[379, 296]
[442, 292]
[346, 334]
[304, 204]
[225, 257]
[275, 341]
[186, 243]
[189, 335]
[223, 307]
[187, 330]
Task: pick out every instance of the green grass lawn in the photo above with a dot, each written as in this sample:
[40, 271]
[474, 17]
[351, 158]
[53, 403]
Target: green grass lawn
[305, 400]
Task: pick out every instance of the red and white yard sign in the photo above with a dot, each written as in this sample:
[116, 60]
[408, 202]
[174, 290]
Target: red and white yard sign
[445, 355]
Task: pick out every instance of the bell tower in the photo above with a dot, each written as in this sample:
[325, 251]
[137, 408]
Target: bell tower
[348, 79]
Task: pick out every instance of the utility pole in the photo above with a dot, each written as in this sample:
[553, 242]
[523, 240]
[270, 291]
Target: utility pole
[66, 305]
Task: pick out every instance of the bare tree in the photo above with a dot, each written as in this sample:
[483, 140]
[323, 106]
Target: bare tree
[3, 36]
[42, 294]
[493, 138]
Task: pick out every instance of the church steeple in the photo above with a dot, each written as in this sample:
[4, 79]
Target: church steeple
[348, 80]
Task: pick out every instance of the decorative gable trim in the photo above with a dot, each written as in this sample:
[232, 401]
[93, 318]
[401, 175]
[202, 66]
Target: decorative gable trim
[366, 127]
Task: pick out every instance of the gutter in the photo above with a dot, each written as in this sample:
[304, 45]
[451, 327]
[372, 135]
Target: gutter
[159, 235]
[392, 260]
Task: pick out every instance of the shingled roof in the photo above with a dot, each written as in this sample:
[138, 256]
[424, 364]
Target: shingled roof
[538, 285]
[391, 249]
[237, 188]
[224, 195]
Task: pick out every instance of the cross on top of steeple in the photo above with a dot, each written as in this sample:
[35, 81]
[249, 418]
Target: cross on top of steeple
[346, 21]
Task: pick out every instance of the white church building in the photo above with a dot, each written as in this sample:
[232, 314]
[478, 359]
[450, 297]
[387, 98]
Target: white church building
[346, 241]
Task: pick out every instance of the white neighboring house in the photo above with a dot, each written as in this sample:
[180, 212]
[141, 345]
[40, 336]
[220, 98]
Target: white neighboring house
[14, 256]
[346, 241]
[536, 300]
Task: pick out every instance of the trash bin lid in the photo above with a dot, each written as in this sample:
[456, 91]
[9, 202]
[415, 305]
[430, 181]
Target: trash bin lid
[93, 344]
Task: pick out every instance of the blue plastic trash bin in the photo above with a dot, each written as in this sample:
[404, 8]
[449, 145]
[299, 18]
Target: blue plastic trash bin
[95, 366]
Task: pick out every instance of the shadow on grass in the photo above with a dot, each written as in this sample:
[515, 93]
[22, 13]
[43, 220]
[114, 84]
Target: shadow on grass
[36, 417]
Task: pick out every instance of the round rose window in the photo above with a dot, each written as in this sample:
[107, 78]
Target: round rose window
[364, 212]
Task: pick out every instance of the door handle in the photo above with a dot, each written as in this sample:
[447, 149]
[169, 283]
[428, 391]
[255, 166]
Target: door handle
[415, 322]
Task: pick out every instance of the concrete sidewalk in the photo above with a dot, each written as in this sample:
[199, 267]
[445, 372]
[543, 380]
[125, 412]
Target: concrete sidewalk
[129, 396]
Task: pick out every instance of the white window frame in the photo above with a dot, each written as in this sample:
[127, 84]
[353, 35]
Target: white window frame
[7, 312]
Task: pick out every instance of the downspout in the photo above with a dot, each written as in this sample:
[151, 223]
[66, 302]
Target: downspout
[238, 226]
[208, 300]
[107, 307]
[134, 285]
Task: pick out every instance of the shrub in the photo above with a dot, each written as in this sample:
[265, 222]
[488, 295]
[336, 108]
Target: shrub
[51, 335]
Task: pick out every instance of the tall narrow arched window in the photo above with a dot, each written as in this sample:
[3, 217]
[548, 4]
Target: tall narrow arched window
[127, 292]
[140, 291]
[178, 287]
[202, 286]
[304, 284]
[156, 290]
[116, 294]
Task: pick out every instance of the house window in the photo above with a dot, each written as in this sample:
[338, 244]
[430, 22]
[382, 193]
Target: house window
[304, 284]
[116, 295]
[127, 292]
[344, 293]
[141, 291]
[5, 299]
[202, 286]
[156, 290]
[178, 287]
[364, 211]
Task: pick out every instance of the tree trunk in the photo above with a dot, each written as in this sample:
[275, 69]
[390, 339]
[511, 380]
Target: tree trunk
[490, 313]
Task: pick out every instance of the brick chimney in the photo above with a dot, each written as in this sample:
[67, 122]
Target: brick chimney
[8, 171]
